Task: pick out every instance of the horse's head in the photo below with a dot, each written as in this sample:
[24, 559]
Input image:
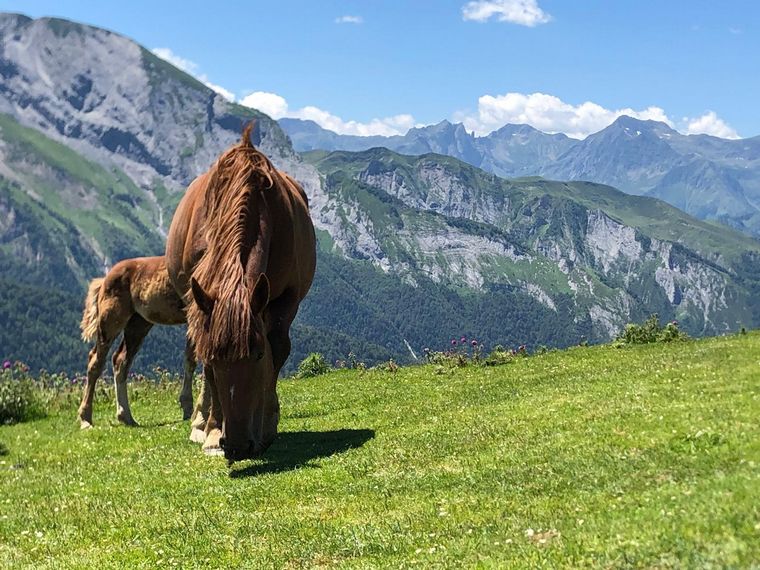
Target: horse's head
[235, 347]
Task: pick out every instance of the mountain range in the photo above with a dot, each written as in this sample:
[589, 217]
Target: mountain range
[705, 176]
[99, 138]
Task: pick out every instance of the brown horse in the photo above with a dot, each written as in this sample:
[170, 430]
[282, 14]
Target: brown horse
[132, 297]
[241, 251]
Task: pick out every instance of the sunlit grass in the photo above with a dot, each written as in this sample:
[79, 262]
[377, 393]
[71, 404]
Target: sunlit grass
[635, 457]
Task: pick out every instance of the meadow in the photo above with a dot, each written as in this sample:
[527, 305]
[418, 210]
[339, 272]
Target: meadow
[641, 456]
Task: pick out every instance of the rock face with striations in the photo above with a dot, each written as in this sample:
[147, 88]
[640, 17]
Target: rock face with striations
[114, 101]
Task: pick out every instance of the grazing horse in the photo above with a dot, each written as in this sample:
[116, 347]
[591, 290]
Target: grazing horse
[241, 251]
[132, 297]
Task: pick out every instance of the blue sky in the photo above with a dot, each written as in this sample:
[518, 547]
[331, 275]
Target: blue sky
[561, 65]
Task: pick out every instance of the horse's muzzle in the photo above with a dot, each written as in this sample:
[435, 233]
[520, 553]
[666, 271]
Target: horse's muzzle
[238, 453]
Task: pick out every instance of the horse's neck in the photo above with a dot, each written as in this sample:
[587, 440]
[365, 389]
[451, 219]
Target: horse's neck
[258, 257]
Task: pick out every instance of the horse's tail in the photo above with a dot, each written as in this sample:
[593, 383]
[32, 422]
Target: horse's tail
[89, 324]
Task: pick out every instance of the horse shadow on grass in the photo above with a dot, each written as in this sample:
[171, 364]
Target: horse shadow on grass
[296, 449]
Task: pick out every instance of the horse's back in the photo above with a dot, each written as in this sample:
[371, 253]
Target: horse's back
[183, 243]
[142, 285]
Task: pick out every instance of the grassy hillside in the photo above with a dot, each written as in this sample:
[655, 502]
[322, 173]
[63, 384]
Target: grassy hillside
[590, 457]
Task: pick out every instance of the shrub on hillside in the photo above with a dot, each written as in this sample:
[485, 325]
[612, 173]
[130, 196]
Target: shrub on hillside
[650, 331]
[499, 355]
[20, 398]
[313, 365]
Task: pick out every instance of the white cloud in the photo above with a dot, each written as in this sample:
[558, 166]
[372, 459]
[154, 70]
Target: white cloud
[269, 103]
[192, 68]
[349, 20]
[710, 124]
[549, 114]
[277, 107]
[544, 112]
[522, 12]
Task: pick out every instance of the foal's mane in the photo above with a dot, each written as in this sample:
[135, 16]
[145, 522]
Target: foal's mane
[231, 201]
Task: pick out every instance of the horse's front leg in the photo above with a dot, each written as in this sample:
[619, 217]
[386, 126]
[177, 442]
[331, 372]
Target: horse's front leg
[213, 429]
[282, 313]
[202, 410]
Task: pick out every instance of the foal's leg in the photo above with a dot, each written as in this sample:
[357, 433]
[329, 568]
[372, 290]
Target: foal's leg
[95, 365]
[186, 395]
[134, 333]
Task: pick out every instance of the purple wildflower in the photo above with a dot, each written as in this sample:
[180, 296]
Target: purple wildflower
[463, 339]
[474, 342]
[6, 365]
[453, 342]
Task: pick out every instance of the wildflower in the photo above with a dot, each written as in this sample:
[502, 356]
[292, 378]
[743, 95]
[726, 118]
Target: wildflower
[453, 342]
[463, 339]
[6, 365]
[474, 342]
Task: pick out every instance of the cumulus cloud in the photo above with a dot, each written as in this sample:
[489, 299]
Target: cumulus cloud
[710, 124]
[269, 103]
[191, 68]
[522, 12]
[349, 20]
[549, 114]
[277, 107]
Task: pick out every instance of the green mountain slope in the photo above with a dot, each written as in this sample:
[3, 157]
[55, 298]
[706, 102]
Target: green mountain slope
[65, 216]
[617, 256]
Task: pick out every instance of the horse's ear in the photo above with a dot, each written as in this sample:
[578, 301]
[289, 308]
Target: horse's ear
[260, 294]
[202, 299]
[245, 139]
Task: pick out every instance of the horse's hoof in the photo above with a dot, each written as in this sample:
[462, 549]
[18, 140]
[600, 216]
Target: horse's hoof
[85, 425]
[197, 435]
[214, 452]
[211, 443]
[187, 410]
[128, 421]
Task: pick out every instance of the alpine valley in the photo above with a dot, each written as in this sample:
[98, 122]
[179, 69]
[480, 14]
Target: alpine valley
[423, 238]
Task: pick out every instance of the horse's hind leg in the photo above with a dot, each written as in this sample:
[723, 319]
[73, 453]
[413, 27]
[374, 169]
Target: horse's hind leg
[134, 333]
[186, 394]
[95, 364]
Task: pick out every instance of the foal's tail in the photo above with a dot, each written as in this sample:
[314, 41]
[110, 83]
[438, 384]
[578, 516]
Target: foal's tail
[89, 324]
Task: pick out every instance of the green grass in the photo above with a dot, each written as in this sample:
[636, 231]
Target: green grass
[636, 457]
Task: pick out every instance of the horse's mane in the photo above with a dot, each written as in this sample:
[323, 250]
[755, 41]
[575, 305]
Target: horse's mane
[231, 201]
